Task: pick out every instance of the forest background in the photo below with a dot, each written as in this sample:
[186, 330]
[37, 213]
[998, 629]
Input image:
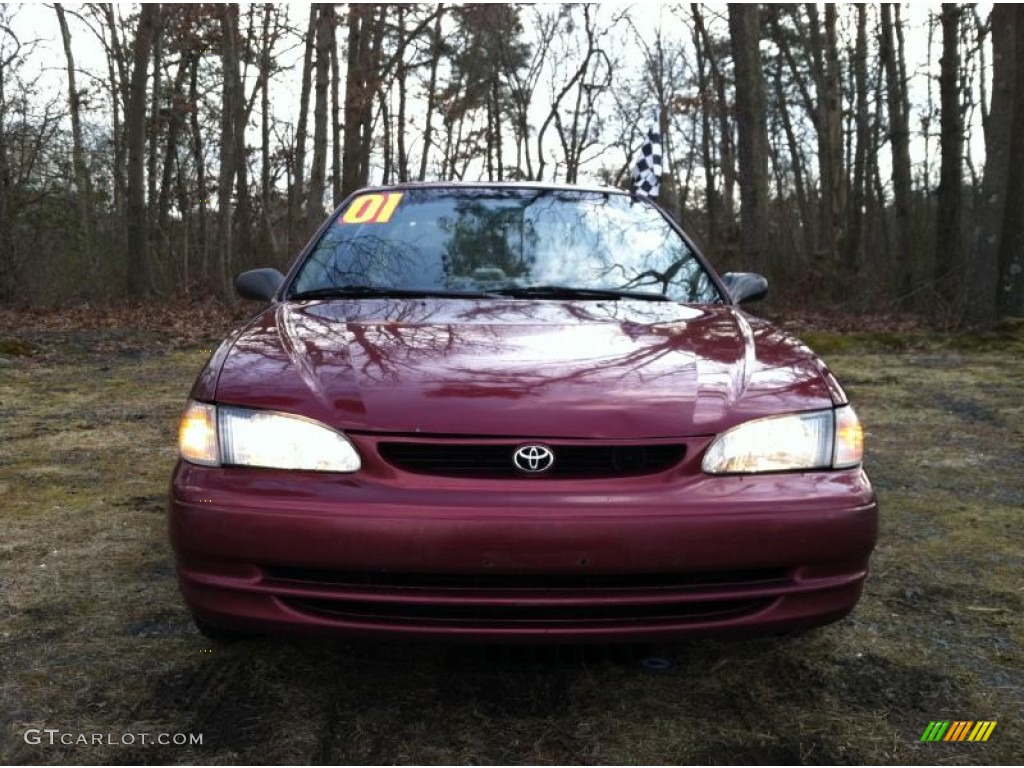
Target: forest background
[865, 158]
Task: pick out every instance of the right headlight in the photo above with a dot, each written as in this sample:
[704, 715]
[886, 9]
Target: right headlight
[217, 435]
[831, 439]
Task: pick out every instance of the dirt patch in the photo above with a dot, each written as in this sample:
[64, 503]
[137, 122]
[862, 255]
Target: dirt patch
[154, 503]
[874, 682]
[789, 750]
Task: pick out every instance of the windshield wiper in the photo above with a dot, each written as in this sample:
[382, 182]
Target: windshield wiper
[384, 292]
[569, 292]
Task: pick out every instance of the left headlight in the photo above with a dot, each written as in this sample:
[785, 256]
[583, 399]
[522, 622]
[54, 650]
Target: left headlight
[215, 435]
[831, 439]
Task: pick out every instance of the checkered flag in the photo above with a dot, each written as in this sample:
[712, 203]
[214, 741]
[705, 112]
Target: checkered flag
[649, 165]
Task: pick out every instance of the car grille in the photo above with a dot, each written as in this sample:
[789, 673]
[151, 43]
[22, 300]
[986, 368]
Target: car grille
[524, 600]
[489, 460]
[497, 615]
[527, 581]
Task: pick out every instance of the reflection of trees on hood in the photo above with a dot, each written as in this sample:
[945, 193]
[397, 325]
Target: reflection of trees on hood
[406, 340]
[476, 351]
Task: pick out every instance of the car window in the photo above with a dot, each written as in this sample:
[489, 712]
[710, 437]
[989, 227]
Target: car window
[487, 239]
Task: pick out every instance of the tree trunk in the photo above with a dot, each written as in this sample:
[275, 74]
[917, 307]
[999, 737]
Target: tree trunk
[358, 97]
[181, 183]
[171, 148]
[706, 137]
[242, 221]
[295, 203]
[728, 163]
[83, 184]
[435, 59]
[199, 160]
[858, 195]
[899, 141]
[744, 29]
[228, 145]
[267, 195]
[324, 42]
[118, 101]
[154, 115]
[947, 234]
[833, 124]
[385, 123]
[8, 275]
[494, 111]
[335, 118]
[797, 160]
[401, 73]
[983, 284]
[828, 123]
[373, 76]
[138, 272]
[1011, 249]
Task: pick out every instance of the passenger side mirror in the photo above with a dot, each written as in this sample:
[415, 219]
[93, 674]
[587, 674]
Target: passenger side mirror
[745, 287]
[259, 284]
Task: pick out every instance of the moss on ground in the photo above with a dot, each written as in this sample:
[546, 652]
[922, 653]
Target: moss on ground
[94, 638]
[17, 347]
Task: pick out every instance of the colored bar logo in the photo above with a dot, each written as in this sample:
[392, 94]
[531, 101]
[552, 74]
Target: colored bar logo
[958, 730]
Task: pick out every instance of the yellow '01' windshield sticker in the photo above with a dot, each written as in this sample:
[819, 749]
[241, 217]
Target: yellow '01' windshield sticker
[374, 208]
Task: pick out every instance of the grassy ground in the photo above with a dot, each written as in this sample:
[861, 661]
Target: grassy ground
[94, 639]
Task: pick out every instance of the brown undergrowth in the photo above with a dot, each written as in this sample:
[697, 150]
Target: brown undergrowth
[94, 639]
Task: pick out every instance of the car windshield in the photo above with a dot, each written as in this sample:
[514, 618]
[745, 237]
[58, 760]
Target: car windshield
[516, 242]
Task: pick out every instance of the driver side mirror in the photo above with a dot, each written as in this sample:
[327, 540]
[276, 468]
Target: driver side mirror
[745, 287]
[259, 284]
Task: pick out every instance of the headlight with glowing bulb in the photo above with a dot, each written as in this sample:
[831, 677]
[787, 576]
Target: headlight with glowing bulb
[831, 439]
[225, 435]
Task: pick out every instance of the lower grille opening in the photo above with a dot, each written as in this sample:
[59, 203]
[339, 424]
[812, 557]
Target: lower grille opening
[521, 581]
[525, 615]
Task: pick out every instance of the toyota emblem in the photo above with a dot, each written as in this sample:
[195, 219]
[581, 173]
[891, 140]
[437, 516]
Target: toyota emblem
[533, 459]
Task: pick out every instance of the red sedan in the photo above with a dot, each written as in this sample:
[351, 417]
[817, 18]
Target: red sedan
[515, 412]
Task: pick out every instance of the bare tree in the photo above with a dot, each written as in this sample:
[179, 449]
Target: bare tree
[858, 196]
[336, 196]
[139, 280]
[154, 122]
[744, 29]
[83, 183]
[119, 95]
[317, 175]
[436, 50]
[359, 95]
[297, 191]
[1011, 247]
[723, 115]
[825, 55]
[231, 162]
[899, 142]
[948, 219]
[267, 193]
[199, 162]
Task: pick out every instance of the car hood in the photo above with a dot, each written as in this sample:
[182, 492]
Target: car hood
[586, 369]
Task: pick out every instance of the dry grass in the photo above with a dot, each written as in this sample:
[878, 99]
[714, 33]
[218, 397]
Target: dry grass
[93, 637]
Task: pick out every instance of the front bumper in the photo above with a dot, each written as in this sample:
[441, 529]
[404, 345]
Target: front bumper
[642, 559]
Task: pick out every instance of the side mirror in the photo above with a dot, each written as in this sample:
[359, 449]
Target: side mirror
[259, 284]
[744, 287]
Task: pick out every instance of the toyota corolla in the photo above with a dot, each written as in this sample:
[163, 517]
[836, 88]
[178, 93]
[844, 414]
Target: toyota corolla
[515, 412]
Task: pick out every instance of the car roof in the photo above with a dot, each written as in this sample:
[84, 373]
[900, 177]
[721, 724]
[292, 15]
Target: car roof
[498, 185]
